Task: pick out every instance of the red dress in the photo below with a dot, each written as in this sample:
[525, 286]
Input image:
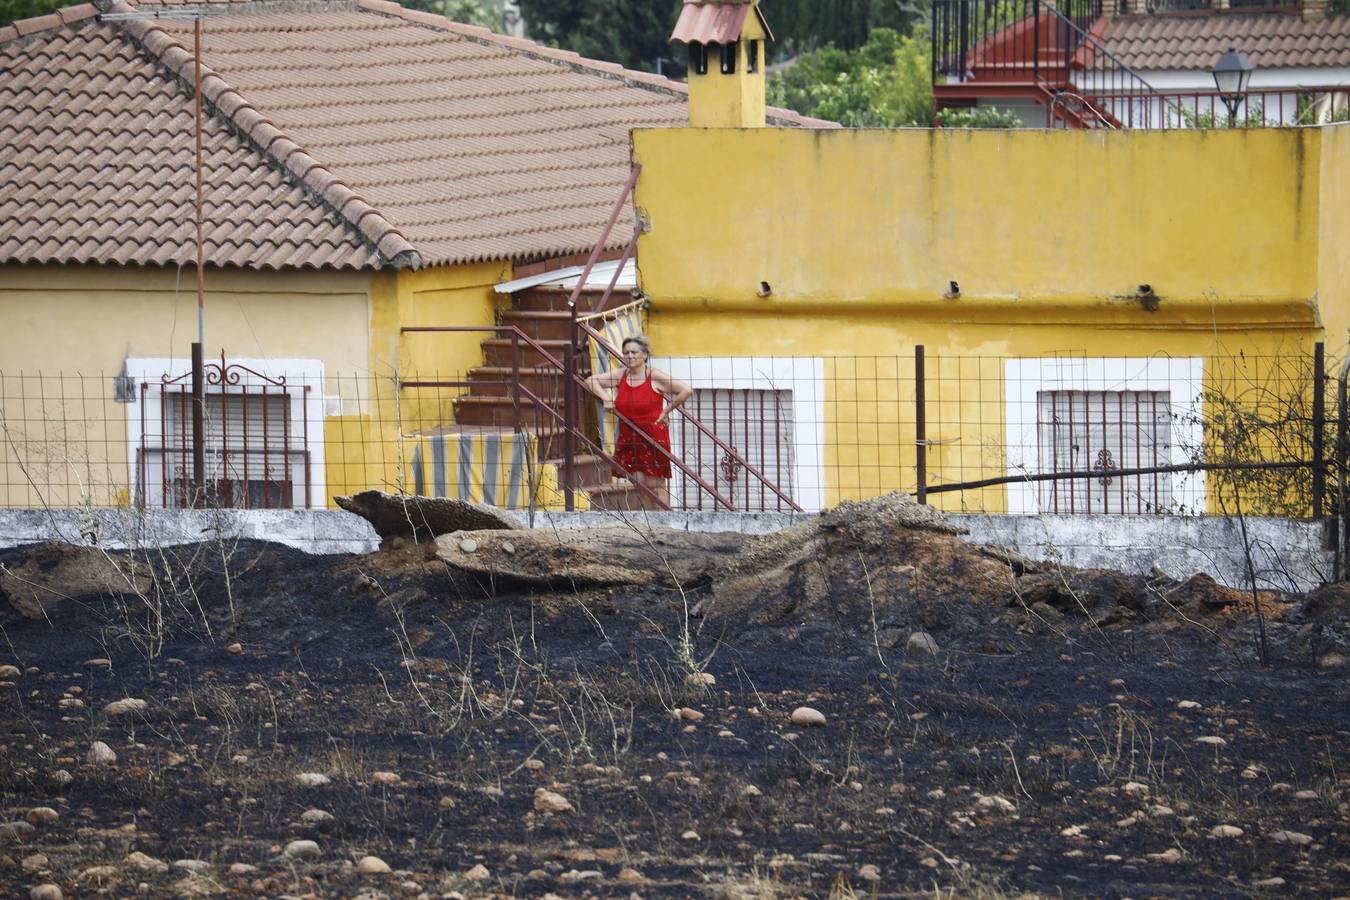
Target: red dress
[641, 404]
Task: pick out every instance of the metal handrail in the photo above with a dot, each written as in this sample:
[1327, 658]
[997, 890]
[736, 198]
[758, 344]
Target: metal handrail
[1098, 48]
[628, 188]
[693, 420]
[577, 380]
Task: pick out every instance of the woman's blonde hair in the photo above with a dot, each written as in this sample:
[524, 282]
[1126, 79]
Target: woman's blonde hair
[640, 340]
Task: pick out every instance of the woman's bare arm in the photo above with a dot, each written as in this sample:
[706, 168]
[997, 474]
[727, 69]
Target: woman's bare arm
[675, 391]
[603, 383]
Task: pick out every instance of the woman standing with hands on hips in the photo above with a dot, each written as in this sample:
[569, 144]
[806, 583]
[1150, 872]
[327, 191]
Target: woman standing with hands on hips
[646, 397]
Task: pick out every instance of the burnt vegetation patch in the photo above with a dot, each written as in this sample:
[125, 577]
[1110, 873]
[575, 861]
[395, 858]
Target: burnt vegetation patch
[993, 727]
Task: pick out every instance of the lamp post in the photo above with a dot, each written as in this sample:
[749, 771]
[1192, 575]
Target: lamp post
[1232, 73]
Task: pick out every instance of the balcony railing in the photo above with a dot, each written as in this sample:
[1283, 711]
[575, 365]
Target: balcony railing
[1269, 107]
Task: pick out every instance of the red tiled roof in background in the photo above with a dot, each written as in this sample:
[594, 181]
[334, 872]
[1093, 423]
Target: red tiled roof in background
[1195, 42]
[714, 21]
[338, 134]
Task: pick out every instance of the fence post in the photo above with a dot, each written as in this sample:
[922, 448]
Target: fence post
[198, 490]
[569, 414]
[920, 428]
[1341, 427]
[1319, 412]
[515, 382]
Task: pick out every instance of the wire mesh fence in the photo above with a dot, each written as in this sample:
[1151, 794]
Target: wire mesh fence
[1064, 434]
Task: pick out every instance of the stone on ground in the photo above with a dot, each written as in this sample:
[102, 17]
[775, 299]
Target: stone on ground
[372, 865]
[806, 717]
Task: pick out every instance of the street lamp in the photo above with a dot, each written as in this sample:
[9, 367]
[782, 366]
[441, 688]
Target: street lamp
[1232, 73]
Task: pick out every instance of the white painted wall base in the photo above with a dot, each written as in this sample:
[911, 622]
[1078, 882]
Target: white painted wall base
[1288, 554]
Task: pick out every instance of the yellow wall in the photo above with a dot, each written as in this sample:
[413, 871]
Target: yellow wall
[1048, 234]
[1333, 262]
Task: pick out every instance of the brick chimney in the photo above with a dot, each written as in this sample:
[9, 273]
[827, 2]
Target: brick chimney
[726, 41]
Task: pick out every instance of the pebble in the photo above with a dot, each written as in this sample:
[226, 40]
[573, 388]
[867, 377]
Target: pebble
[690, 835]
[301, 850]
[995, 803]
[629, 875]
[696, 678]
[100, 874]
[241, 869]
[1276, 881]
[806, 717]
[312, 779]
[550, 802]
[10, 672]
[1188, 704]
[1297, 838]
[138, 860]
[385, 778]
[691, 715]
[1213, 740]
[194, 866]
[1170, 855]
[1331, 661]
[1071, 831]
[751, 791]
[534, 765]
[372, 865]
[45, 892]
[1135, 789]
[921, 642]
[18, 831]
[43, 815]
[1225, 831]
[468, 545]
[1161, 811]
[235, 648]
[100, 754]
[508, 547]
[318, 818]
[478, 873]
[98, 662]
[869, 872]
[34, 861]
[1306, 795]
[124, 707]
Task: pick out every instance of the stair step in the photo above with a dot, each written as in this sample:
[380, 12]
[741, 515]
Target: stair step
[618, 496]
[497, 352]
[540, 324]
[589, 471]
[538, 380]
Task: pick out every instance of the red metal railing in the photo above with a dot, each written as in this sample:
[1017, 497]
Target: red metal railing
[568, 419]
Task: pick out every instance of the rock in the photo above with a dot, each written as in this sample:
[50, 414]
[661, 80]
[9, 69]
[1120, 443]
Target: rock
[10, 672]
[312, 779]
[138, 860]
[921, 642]
[34, 861]
[751, 791]
[45, 892]
[1331, 661]
[629, 875]
[235, 648]
[241, 869]
[42, 815]
[16, 831]
[124, 707]
[1135, 789]
[100, 754]
[701, 678]
[995, 804]
[317, 818]
[1307, 795]
[1071, 831]
[1296, 838]
[372, 865]
[385, 778]
[689, 715]
[301, 850]
[52, 573]
[192, 866]
[1161, 811]
[806, 717]
[534, 765]
[468, 545]
[422, 518]
[869, 872]
[478, 873]
[1272, 882]
[62, 778]
[549, 802]
[98, 662]
[1170, 855]
[1213, 740]
[1188, 704]
[690, 835]
[1226, 831]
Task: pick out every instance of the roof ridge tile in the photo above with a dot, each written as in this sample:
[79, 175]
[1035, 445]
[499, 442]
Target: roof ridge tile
[374, 228]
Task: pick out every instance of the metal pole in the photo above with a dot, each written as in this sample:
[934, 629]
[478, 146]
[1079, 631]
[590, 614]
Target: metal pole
[569, 421]
[1341, 506]
[198, 491]
[920, 428]
[1319, 413]
[197, 100]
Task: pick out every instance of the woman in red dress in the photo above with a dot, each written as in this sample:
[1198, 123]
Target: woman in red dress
[646, 397]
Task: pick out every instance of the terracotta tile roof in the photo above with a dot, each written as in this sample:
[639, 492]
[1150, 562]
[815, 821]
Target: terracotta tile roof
[1270, 40]
[338, 134]
[714, 21]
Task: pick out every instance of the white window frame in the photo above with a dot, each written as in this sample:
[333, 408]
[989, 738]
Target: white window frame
[297, 372]
[803, 376]
[1181, 377]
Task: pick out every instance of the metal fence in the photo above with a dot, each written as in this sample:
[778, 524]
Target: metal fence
[1067, 433]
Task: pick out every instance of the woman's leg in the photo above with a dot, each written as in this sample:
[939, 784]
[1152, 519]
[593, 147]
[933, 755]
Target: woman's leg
[658, 486]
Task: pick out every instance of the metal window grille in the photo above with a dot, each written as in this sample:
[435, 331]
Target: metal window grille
[1103, 431]
[758, 424]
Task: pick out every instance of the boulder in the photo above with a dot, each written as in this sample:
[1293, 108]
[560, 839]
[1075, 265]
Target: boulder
[53, 572]
[423, 518]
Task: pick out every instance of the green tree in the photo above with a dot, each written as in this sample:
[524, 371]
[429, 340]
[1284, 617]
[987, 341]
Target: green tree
[883, 83]
[805, 25]
[633, 33]
[485, 13]
[13, 10]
